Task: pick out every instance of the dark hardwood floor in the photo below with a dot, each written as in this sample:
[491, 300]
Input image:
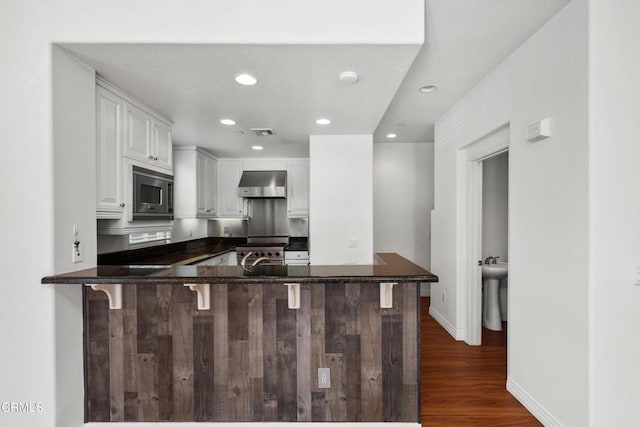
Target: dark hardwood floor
[466, 385]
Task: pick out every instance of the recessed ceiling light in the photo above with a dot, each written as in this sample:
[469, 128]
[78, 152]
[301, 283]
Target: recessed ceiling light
[391, 135]
[348, 77]
[323, 121]
[428, 88]
[246, 79]
[257, 147]
[228, 122]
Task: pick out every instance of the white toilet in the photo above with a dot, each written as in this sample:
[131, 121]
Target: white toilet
[492, 274]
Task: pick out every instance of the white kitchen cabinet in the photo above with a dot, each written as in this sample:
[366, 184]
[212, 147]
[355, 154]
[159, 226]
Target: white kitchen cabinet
[161, 145]
[147, 138]
[296, 257]
[195, 183]
[126, 133]
[210, 189]
[109, 198]
[227, 258]
[229, 174]
[137, 134]
[298, 188]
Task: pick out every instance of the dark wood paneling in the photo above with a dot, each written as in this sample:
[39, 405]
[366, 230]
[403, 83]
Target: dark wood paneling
[98, 363]
[352, 365]
[203, 356]
[392, 386]
[286, 361]
[164, 374]
[251, 358]
[335, 316]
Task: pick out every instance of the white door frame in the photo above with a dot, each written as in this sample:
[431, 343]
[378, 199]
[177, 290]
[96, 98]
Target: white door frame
[469, 225]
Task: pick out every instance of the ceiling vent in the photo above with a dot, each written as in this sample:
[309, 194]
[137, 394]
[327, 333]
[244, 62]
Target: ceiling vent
[263, 131]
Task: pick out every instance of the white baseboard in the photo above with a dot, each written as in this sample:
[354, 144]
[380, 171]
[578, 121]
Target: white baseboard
[532, 405]
[458, 334]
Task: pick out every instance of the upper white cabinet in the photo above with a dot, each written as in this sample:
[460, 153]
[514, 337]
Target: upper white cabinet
[195, 183]
[147, 138]
[229, 174]
[109, 201]
[298, 187]
[161, 147]
[210, 189]
[137, 135]
[127, 134]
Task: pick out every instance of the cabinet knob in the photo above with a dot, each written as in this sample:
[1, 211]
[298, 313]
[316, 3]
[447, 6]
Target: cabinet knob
[155, 158]
[150, 157]
[122, 205]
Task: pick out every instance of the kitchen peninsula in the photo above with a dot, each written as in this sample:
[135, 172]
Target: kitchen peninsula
[249, 346]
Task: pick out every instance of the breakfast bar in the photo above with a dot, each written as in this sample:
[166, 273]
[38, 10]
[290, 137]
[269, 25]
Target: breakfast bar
[270, 343]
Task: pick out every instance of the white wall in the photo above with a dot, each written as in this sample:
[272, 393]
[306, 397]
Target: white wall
[402, 200]
[74, 194]
[495, 203]
[614, 226]
[27, 249]
[340, 199]
[548, 182]
[188, 229]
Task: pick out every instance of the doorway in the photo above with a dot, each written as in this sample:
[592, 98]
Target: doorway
[469, 241]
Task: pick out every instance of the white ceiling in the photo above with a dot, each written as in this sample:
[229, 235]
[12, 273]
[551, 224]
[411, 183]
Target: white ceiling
[193, 84]
[464, 41]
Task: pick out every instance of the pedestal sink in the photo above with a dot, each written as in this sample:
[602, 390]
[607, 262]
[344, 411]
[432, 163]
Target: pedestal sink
[492, 274]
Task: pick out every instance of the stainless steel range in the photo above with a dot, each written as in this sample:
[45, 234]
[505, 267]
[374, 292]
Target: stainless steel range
[262, 252]
[268, 233]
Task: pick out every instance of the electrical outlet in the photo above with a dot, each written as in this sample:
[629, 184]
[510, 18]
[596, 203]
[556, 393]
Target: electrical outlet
[352, 243]
[77, 252]
[444, 297]
[324, 378]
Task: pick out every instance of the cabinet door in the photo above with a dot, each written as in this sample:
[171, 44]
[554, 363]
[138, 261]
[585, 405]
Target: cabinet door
[211, 182]
[229, 173]
[108, 153]
[162, 147]
[137, 126]
[201, 187]
[298, 187]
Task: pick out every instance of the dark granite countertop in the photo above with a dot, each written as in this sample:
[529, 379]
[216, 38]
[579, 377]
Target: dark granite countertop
[174, 253]
[387, 267]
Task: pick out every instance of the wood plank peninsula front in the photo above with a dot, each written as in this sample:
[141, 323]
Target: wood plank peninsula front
[251, 357]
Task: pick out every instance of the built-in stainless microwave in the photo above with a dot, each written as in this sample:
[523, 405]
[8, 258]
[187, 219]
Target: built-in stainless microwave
[152, 194]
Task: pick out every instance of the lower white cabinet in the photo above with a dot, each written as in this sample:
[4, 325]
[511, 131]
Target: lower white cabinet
[195, 183]
[296, 257]
[227, 258]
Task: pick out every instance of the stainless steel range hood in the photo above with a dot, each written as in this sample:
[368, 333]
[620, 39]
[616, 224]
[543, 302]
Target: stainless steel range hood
[261, 184]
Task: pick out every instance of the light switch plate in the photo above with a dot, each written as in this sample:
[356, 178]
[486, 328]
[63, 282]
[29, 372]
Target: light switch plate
[77, 253]
[324, 378]
[636, 275]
